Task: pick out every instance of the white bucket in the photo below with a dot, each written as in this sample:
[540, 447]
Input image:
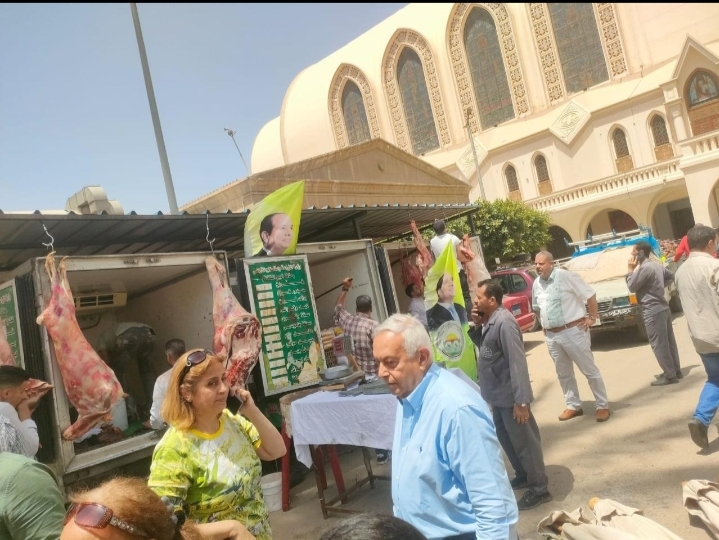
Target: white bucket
[272, 491]
[119, 415]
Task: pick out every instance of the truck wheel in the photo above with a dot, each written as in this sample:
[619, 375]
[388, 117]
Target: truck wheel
[642, 332]
[675, 304]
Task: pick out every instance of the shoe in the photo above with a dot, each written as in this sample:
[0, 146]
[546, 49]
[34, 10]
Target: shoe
[519, 482]
[602, 415]
[568, 414]
[660, 375]
[531, 499]
[384, 458]
[662, 381]
[698, 431]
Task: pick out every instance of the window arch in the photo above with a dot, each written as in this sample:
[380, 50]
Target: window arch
[660, 136]
[622, 156]
[416, 103]
[702, 98]
[355, 116]
[341, 101]
[486, 67]
[579, 46]
[544, 182]
[510, 175]
[426, 90]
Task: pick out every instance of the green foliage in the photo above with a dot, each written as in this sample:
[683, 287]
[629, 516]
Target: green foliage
[507, 229]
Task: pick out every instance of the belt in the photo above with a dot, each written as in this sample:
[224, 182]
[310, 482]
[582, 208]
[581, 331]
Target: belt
[568, 325]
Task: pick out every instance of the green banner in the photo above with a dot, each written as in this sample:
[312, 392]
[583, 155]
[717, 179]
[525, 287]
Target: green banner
[9, 317]
[281, 297]
[447, 317]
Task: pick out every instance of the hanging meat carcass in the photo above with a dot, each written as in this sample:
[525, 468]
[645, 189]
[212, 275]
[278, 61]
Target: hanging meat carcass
[237, 332]
[473, 265]
[424, 259]
[410, 273]
[7, 358]
[91, 385]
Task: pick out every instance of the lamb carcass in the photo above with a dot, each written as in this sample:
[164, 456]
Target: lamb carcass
[7, 358]
[237, 332]
[410, 274]
[473, 265]
[424, 259]
[90, 384]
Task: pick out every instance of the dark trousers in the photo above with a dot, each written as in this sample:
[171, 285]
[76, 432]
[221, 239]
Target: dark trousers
[523, 446]
[468, 300]
[661, 338]
[135, 345]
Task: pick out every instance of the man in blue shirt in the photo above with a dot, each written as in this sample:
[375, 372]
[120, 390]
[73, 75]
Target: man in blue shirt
[448, 475]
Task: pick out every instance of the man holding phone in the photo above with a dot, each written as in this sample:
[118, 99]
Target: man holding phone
[647, 279]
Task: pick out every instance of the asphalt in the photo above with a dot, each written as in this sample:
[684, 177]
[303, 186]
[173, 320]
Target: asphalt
[640, 457]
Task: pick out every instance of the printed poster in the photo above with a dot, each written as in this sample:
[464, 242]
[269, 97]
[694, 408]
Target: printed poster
[447, 317]
[273, 225]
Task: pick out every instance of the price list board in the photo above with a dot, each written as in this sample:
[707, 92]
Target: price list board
[9, 319]
[280, 292]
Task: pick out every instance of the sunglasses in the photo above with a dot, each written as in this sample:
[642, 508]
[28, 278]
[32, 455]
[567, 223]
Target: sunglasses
[194, 359]
[97, 516]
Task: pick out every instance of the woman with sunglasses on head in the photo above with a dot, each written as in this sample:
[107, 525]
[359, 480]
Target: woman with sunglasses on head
[124, 509]
[208, 462]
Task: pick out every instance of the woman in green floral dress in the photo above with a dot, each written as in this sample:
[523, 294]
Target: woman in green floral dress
[208, 462]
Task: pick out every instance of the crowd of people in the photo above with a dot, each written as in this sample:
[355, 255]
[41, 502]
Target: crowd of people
[449, 479]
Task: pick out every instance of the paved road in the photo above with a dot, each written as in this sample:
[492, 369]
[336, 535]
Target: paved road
[639, 457]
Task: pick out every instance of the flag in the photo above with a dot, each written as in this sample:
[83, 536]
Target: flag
[273, 225]
[447, 316]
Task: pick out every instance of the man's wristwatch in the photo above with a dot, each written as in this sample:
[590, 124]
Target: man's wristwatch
[592, 317]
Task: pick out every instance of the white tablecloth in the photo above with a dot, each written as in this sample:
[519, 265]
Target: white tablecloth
[328, 418]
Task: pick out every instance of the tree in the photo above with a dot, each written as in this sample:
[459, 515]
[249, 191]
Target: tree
[507, 228]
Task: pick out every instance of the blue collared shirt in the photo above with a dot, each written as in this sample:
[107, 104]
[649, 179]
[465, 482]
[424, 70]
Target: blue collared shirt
[448, 474]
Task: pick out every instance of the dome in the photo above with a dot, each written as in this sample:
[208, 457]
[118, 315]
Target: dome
[267, 148]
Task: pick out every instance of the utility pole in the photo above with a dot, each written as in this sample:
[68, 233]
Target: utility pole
[169, 187]
[231, 133]
[468, 114]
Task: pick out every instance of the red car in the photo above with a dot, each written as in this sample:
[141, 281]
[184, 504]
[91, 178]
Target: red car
[517, 286]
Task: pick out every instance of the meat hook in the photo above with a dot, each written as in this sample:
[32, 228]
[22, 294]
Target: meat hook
[207, 226]
[50, 245]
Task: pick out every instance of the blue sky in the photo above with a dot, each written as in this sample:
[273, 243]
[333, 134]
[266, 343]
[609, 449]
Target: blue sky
[73, 107]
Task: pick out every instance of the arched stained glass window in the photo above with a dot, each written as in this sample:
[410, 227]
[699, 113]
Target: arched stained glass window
[621, 148]
[355, 114]
[579, 45]
[702, 87]
[540, 164]
[486, 66]
[659, 131]
[512, 182]
[415, 102]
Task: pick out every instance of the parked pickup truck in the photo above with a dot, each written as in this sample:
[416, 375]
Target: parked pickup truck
[604, 268]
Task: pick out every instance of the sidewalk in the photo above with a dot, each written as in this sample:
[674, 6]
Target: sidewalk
[639, 457]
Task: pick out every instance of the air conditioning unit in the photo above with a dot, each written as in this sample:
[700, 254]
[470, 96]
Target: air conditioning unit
[99, 300]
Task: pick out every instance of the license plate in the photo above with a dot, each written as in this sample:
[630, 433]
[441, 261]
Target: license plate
[618, 312]
[516, 310]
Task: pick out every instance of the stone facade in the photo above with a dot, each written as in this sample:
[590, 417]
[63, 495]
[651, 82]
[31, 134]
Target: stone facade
[648, 79]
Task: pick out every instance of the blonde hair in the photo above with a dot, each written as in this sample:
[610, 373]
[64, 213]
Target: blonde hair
[176, 411]
[133, 502]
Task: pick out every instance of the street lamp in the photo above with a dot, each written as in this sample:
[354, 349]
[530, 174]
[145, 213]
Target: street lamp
[468, 113]
[231, 133]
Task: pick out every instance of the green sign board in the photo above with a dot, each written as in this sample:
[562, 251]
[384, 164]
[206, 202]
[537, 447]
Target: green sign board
[9, 317]
[280, 291]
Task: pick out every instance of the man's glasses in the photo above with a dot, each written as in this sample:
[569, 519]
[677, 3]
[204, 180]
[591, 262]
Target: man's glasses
[97, 516]
[193, 359]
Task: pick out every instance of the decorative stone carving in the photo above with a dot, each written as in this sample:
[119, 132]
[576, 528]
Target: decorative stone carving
[611, 39]
[465, 163]
[408, 38]
[460, 66]
[344, 72]
[570, 122]
[608, 26]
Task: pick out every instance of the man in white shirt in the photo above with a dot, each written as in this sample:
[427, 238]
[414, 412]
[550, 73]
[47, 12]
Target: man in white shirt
[698, 285]
[417, 307]
[173, 350]
[559, 296]
[16, 408]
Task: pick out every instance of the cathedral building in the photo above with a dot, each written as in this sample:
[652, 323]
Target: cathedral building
[604, 115]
